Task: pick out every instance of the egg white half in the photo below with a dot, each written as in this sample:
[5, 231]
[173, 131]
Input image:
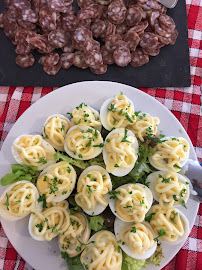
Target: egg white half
[149, 197]
[121, 171]
[119, 225]
[104, 112]
[44, 134]
[99, 207]
[45, 145]
[4, 213]
[155, 175]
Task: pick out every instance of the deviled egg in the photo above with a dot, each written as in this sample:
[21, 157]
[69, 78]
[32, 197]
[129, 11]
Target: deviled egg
[130, 202]
[169, 188]
[18, 200]
[102, 252]
[136, 239]
[84, 115]
[83, 142]
[120, 151]
[117, 112]
[73, 240]
[33, 150]
[55, 130]
[144, 125]
[92, 190]
[57, 181]
[47, 224]
[171, 154]
[169, 225]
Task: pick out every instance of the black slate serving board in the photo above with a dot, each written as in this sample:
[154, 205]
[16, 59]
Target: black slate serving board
[171, 68]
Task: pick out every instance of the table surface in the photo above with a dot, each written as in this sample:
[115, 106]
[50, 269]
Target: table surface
[185, 104]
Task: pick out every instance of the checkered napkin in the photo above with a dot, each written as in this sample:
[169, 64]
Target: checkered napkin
[183, 102]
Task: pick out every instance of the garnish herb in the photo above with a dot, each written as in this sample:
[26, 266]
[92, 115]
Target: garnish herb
[133, 230]
[53, 186]
[113, 194]
[96, 134]
[108, 140]
[165, 180]
[173, 218]
[45, 177]
[64, 192]
[125, 137]
[68, 170]
[176, 166]
[149, 217]
[116, 166]
[142, 202]
[162, 232]
[89, 190]
[39, 226]
[18, 201]
[80, 156]
[89, 175]
[43, 199]
[7, 202]
[175, 198]
[112, 108]
[99, 145]
[128, 117]
[42, 160]
[70, 115]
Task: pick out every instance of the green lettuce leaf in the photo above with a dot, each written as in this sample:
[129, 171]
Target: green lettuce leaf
[96, 223]
[73, 263]
[20, 172]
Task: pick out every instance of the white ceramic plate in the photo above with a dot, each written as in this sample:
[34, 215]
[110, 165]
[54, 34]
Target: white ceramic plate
[46, 255]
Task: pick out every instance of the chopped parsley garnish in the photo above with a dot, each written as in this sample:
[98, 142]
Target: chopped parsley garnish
[42, 160]
[18, 201]
[96, 134]
[68, 169]
[131, 192]
[165, 180]
[119, 249]
[133, 230]
[116, 166]
[64, 192]
[89, 130]
[112, 108]
[128, 117]
[45, 177]
[187, 183]
[79, 121]
[120, 112]
[28, 196]
[94, 179]
[89, 175]
[177, 167]
[108, 140]
[39, 226]
[43, 199]
[81, 105]
[80, 156]
[175, 198]
[54, 227]
[89, 190]
[45, 220]
[113, 194]
[125, 137]
[183, 191]
[7, 202]
[72, 221]
[173, 218]
[142, 202]
[149, 217]
[70, 115]
[83, 244]
[162, 232]
[99, 145]
[53, 186]
[63, 127]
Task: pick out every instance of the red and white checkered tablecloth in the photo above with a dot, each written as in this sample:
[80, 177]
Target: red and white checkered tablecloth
[185, 103]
